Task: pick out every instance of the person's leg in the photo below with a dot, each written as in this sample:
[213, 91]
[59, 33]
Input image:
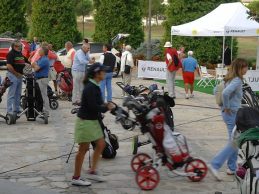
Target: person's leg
[186, 88]
[81, 85]
[43, 85]
[83, 148]
[11, 92]
[191, 88]
[173, 83]
[75, 87]
[229, 152]
[18, 94]
[102, 86]
[169, 80]
[109, 87]
[232, 160]
[55, 85]
[100, 145]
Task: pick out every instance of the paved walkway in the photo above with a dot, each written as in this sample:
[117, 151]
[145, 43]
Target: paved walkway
[38, 152]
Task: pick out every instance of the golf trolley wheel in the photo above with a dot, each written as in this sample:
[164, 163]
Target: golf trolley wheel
[139, 160]
[10, 119]
[23, 102]
[196, 166]
[147, 178]
[53, 104]
[135, 145]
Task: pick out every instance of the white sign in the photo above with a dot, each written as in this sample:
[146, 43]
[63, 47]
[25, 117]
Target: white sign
[252, 78]
[152, 69]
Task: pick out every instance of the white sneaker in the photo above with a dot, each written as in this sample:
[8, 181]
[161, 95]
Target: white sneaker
[192, 96]
[80, 182]
[230, 172]
[95, 176]
[186, 96]
[214, 172]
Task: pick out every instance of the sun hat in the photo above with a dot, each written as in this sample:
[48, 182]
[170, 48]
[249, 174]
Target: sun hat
[168, 44]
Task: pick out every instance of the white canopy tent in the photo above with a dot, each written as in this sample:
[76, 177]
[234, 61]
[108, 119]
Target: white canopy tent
[229, 19]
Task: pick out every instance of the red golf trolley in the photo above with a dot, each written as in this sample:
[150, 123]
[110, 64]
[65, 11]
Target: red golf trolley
[170, 148]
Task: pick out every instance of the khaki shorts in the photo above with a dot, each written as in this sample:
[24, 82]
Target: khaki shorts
[52, 74]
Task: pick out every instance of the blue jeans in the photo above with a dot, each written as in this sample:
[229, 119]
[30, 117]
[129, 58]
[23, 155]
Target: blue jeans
[107, 83]
[229, 153]
[14, 94]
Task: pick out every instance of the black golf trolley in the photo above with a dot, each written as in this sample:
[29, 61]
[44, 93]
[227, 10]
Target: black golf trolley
[32, 103]
[3, 87]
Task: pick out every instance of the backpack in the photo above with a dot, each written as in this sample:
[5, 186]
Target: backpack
[175, 60]
[218, 91]
[112, 144]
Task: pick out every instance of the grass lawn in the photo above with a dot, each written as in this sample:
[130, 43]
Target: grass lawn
[179, 83]
[247, 47]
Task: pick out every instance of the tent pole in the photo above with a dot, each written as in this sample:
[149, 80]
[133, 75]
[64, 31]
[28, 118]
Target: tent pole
[231, 48]
[171, 39]
[223, 50]
[257, 55]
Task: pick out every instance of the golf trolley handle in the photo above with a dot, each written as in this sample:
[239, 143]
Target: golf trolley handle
[121, 85]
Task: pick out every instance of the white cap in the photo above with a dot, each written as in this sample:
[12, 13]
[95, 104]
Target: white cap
[190, 53]
[168, 44]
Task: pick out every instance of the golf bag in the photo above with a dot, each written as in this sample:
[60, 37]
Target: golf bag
[247, 174]
[112, 143]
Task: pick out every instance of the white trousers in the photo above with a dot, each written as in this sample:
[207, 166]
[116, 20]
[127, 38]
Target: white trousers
[170, 80]
[78, 86]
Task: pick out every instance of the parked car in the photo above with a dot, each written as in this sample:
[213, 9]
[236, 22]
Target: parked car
[5, 45]
[96, 50]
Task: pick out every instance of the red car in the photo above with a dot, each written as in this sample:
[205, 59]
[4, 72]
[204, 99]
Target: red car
[5, 44]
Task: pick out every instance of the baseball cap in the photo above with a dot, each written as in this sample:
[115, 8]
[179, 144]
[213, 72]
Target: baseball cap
[96, 67]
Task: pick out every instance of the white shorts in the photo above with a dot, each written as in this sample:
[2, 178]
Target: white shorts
[52, 74]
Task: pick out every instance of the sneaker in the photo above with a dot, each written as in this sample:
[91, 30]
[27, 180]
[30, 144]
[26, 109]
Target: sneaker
[80, 182]
[230, 172]
[93, 175]
[186, 96]
[214, 172]
[192, 96]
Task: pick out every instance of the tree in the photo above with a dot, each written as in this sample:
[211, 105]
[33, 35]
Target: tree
[254, 10]
[12, 16]
[183, 11]
[84, 7]
[157, 9]
[54, 21]
[126, 19]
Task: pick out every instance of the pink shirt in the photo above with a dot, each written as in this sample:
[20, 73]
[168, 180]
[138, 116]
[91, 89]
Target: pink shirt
[36, 56]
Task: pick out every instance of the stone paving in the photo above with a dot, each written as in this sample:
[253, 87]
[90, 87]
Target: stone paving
[38, 152]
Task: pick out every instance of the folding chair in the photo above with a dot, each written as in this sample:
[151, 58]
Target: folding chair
[220, 74]
[206, 78]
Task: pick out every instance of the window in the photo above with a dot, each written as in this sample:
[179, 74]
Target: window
[5, 44]
[96, 48]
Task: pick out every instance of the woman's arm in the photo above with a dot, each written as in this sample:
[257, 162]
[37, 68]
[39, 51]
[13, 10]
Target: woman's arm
[232, 86]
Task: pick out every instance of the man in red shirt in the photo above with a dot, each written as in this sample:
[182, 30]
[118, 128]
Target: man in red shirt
[173, 64]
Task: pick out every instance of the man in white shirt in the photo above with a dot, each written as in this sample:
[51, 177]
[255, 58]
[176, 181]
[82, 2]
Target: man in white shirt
[126, 60]
[70, 55]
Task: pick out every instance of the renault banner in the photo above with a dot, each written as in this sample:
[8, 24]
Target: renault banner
[252, 78]
[152, 69]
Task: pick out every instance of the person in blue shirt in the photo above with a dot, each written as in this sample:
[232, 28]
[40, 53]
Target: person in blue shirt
[81, 61]
[41, 68]
[190, 64]
[232, 97]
